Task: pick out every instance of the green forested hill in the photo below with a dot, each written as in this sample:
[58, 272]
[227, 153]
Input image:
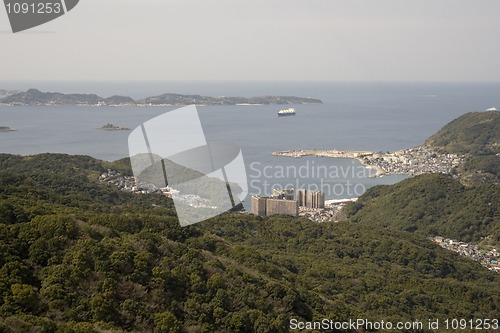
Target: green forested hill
[431, 205]
[477, 136]
[436, 204]
[81, 256]
[475, 133]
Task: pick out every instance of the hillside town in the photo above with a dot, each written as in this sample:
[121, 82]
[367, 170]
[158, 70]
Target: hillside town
[412, 161]
[129, 184]
[488, 258]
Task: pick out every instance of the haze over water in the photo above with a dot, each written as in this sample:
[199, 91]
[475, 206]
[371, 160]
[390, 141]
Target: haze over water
[356, 116]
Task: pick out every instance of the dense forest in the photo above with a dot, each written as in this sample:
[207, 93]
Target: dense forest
[434, 205]
[82, 256]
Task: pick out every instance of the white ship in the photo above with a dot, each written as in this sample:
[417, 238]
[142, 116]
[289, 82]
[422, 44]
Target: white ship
[286, 112]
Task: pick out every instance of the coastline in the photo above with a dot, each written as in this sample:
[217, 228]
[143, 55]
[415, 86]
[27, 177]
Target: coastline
[411, 162]
[36, 97]
[333, 153]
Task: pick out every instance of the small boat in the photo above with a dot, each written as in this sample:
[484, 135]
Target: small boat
[286, 112]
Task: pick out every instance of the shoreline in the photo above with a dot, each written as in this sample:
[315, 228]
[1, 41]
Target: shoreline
[334, 153]
[411, 162]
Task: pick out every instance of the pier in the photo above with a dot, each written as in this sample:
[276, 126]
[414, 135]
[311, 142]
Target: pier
[362, 156]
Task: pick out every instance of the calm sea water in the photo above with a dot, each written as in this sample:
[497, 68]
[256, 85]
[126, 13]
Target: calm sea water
[360, 116]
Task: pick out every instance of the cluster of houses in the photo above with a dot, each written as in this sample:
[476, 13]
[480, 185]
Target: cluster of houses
[488, 258]
[318, 215]
[127, 183]
[414, 161]
[332, 211]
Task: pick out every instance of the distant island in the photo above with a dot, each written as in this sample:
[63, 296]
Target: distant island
[6, 129]
[5, 93]
[36, 97]
[111, 127]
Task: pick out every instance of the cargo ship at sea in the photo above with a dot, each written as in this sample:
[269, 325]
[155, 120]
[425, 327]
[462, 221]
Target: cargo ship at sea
[286, 112]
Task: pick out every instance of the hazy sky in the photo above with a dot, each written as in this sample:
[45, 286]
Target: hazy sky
[362, 40]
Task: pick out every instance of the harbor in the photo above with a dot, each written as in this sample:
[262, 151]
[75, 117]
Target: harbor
[412, 161]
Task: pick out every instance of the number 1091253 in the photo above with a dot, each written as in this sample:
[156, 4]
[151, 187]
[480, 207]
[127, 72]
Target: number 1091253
[34, 8]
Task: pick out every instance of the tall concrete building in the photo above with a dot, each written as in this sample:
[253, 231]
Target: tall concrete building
[286, 194]
[310, 199]
[281, 202]
[259, 205]
[265, 206]
[301, 197]
[280, 206]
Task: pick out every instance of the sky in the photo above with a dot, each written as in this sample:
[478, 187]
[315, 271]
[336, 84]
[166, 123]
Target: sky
[259, 40]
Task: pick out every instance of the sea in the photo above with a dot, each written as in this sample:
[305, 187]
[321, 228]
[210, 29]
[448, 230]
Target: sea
[369, 116]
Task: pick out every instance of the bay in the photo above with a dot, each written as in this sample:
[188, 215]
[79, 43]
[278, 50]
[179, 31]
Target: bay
[357, 116]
